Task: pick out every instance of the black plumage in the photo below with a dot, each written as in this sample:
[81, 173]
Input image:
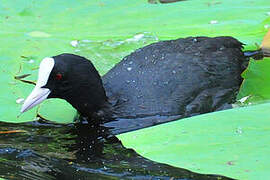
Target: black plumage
[157, 83]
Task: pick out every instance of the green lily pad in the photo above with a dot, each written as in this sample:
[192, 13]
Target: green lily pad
[256, 83]
[232, 143]
[62, 111]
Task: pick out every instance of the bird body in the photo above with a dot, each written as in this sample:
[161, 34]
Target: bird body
[173, 77]
[157, 83]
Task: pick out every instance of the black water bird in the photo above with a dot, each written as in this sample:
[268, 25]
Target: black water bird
[160, 82]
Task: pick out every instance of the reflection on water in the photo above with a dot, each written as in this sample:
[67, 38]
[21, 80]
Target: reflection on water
[76, 151]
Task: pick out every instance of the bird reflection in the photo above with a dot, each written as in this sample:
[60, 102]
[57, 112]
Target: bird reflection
[89, 140]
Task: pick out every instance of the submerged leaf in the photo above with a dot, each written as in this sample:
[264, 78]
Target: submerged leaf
[12, 131]
[22, 76]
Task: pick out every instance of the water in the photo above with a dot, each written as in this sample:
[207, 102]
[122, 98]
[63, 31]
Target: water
[76, 151]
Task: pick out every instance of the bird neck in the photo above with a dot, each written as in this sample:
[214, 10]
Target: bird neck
[91, 102]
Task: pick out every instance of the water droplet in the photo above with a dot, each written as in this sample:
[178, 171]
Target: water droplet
[129, 68]
[31, 61]
[36, 118]
[74, 43]
[195, 40]
[113, 43]
[137, 37]
[239, 130]
[222, 48]
[86, 41]
[213, 22]
[19, 100]
[242, 100]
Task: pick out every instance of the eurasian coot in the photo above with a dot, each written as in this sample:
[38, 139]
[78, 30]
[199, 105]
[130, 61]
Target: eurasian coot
[160, 82]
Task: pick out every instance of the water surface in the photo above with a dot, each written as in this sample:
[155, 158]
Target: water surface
[76, 151]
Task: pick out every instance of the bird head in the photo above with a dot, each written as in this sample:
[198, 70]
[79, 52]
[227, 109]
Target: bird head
[69, 77]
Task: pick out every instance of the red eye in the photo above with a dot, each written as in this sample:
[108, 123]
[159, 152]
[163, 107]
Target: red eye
[58, 76]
